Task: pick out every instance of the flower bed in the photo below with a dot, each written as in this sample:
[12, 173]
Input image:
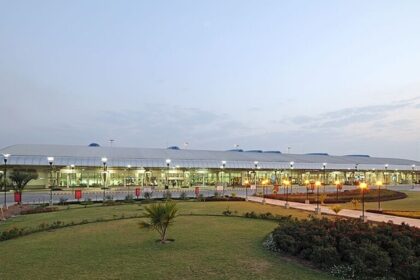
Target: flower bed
[343, 197]
[350, 249]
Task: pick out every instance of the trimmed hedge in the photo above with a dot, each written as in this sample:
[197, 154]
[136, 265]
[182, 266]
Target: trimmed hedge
[351, 249]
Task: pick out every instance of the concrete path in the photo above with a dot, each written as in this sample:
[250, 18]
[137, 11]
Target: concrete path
[343, 213]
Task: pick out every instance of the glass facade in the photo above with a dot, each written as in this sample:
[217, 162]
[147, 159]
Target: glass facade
[72, 177]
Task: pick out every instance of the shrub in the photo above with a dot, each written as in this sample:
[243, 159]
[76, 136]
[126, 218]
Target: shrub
[148, 195]
[129, 198]
[167, 195]
[351, 249]
[227, 212]
[183, 196]
[355, 203]
[62, 200]
[39, 209]
[86, 202]
[201, 197]
[252, 215]
[233, 194]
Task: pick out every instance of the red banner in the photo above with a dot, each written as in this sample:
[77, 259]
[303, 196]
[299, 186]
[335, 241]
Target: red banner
[78, 194]
[18, 197]
[138, 192]
[197, 191]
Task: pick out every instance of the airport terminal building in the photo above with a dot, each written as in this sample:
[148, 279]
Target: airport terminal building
[95, 166]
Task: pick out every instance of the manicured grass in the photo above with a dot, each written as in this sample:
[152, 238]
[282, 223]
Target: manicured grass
[77, 213]
[411, 203]
[204, 248]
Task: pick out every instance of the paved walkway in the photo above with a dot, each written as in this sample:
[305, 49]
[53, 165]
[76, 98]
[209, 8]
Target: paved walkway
[343, 213]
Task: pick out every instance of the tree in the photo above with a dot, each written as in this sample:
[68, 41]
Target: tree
[19, 179]
[161, 216]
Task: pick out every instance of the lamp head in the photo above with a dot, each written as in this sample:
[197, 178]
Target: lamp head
[337, 182]
[317, 183]
[363, 186]
[50, 159]
[168, 161]
[306, 182]
[6, 156]
[128, 165]
[379, 183]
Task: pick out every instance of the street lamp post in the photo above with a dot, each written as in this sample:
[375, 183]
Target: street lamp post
[324, 165]
[363, 186]
[5, 158]
[317, 209]
[264, 183]
[291, 171]
[222, 167]
[246, 189]
[379, 185]
[286, 184]
[338, 186]
[255, 176]
[386, 174]
[412, 176]
[307, 191]
[168, 164]
[51, 161]
[104, 161]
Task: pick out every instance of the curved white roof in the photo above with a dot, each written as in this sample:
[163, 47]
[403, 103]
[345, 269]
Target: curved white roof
[65, 155]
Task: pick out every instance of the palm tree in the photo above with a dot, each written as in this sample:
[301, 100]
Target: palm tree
[161, 216]
[19, 179]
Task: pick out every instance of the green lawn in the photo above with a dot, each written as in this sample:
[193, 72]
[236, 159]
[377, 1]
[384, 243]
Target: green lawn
[78, 213]
[411, 203]
[205, 247]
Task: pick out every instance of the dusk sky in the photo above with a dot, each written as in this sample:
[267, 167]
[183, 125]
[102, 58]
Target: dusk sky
[341, 77]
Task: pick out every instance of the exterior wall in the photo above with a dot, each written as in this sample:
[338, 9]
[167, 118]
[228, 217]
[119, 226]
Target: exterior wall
[64, 177]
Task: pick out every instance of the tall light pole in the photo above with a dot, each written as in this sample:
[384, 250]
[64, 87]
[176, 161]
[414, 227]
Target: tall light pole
[255, 175]
[317, 209]
[168, 165]
[5, 158]
[264, 183]
[379, 185]
[104, 161]
[307, 191]
[324, 165]
[363, 186]
[246, 189]
[413, 167]
[338, 186]
[386, 174]
[287, 183]
[291, 172]
[222, 173]
[127, 175]
[51, 161]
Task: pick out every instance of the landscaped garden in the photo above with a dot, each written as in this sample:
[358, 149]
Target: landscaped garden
[210, 243]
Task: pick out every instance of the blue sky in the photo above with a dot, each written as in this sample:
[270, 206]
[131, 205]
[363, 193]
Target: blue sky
[317, 76]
